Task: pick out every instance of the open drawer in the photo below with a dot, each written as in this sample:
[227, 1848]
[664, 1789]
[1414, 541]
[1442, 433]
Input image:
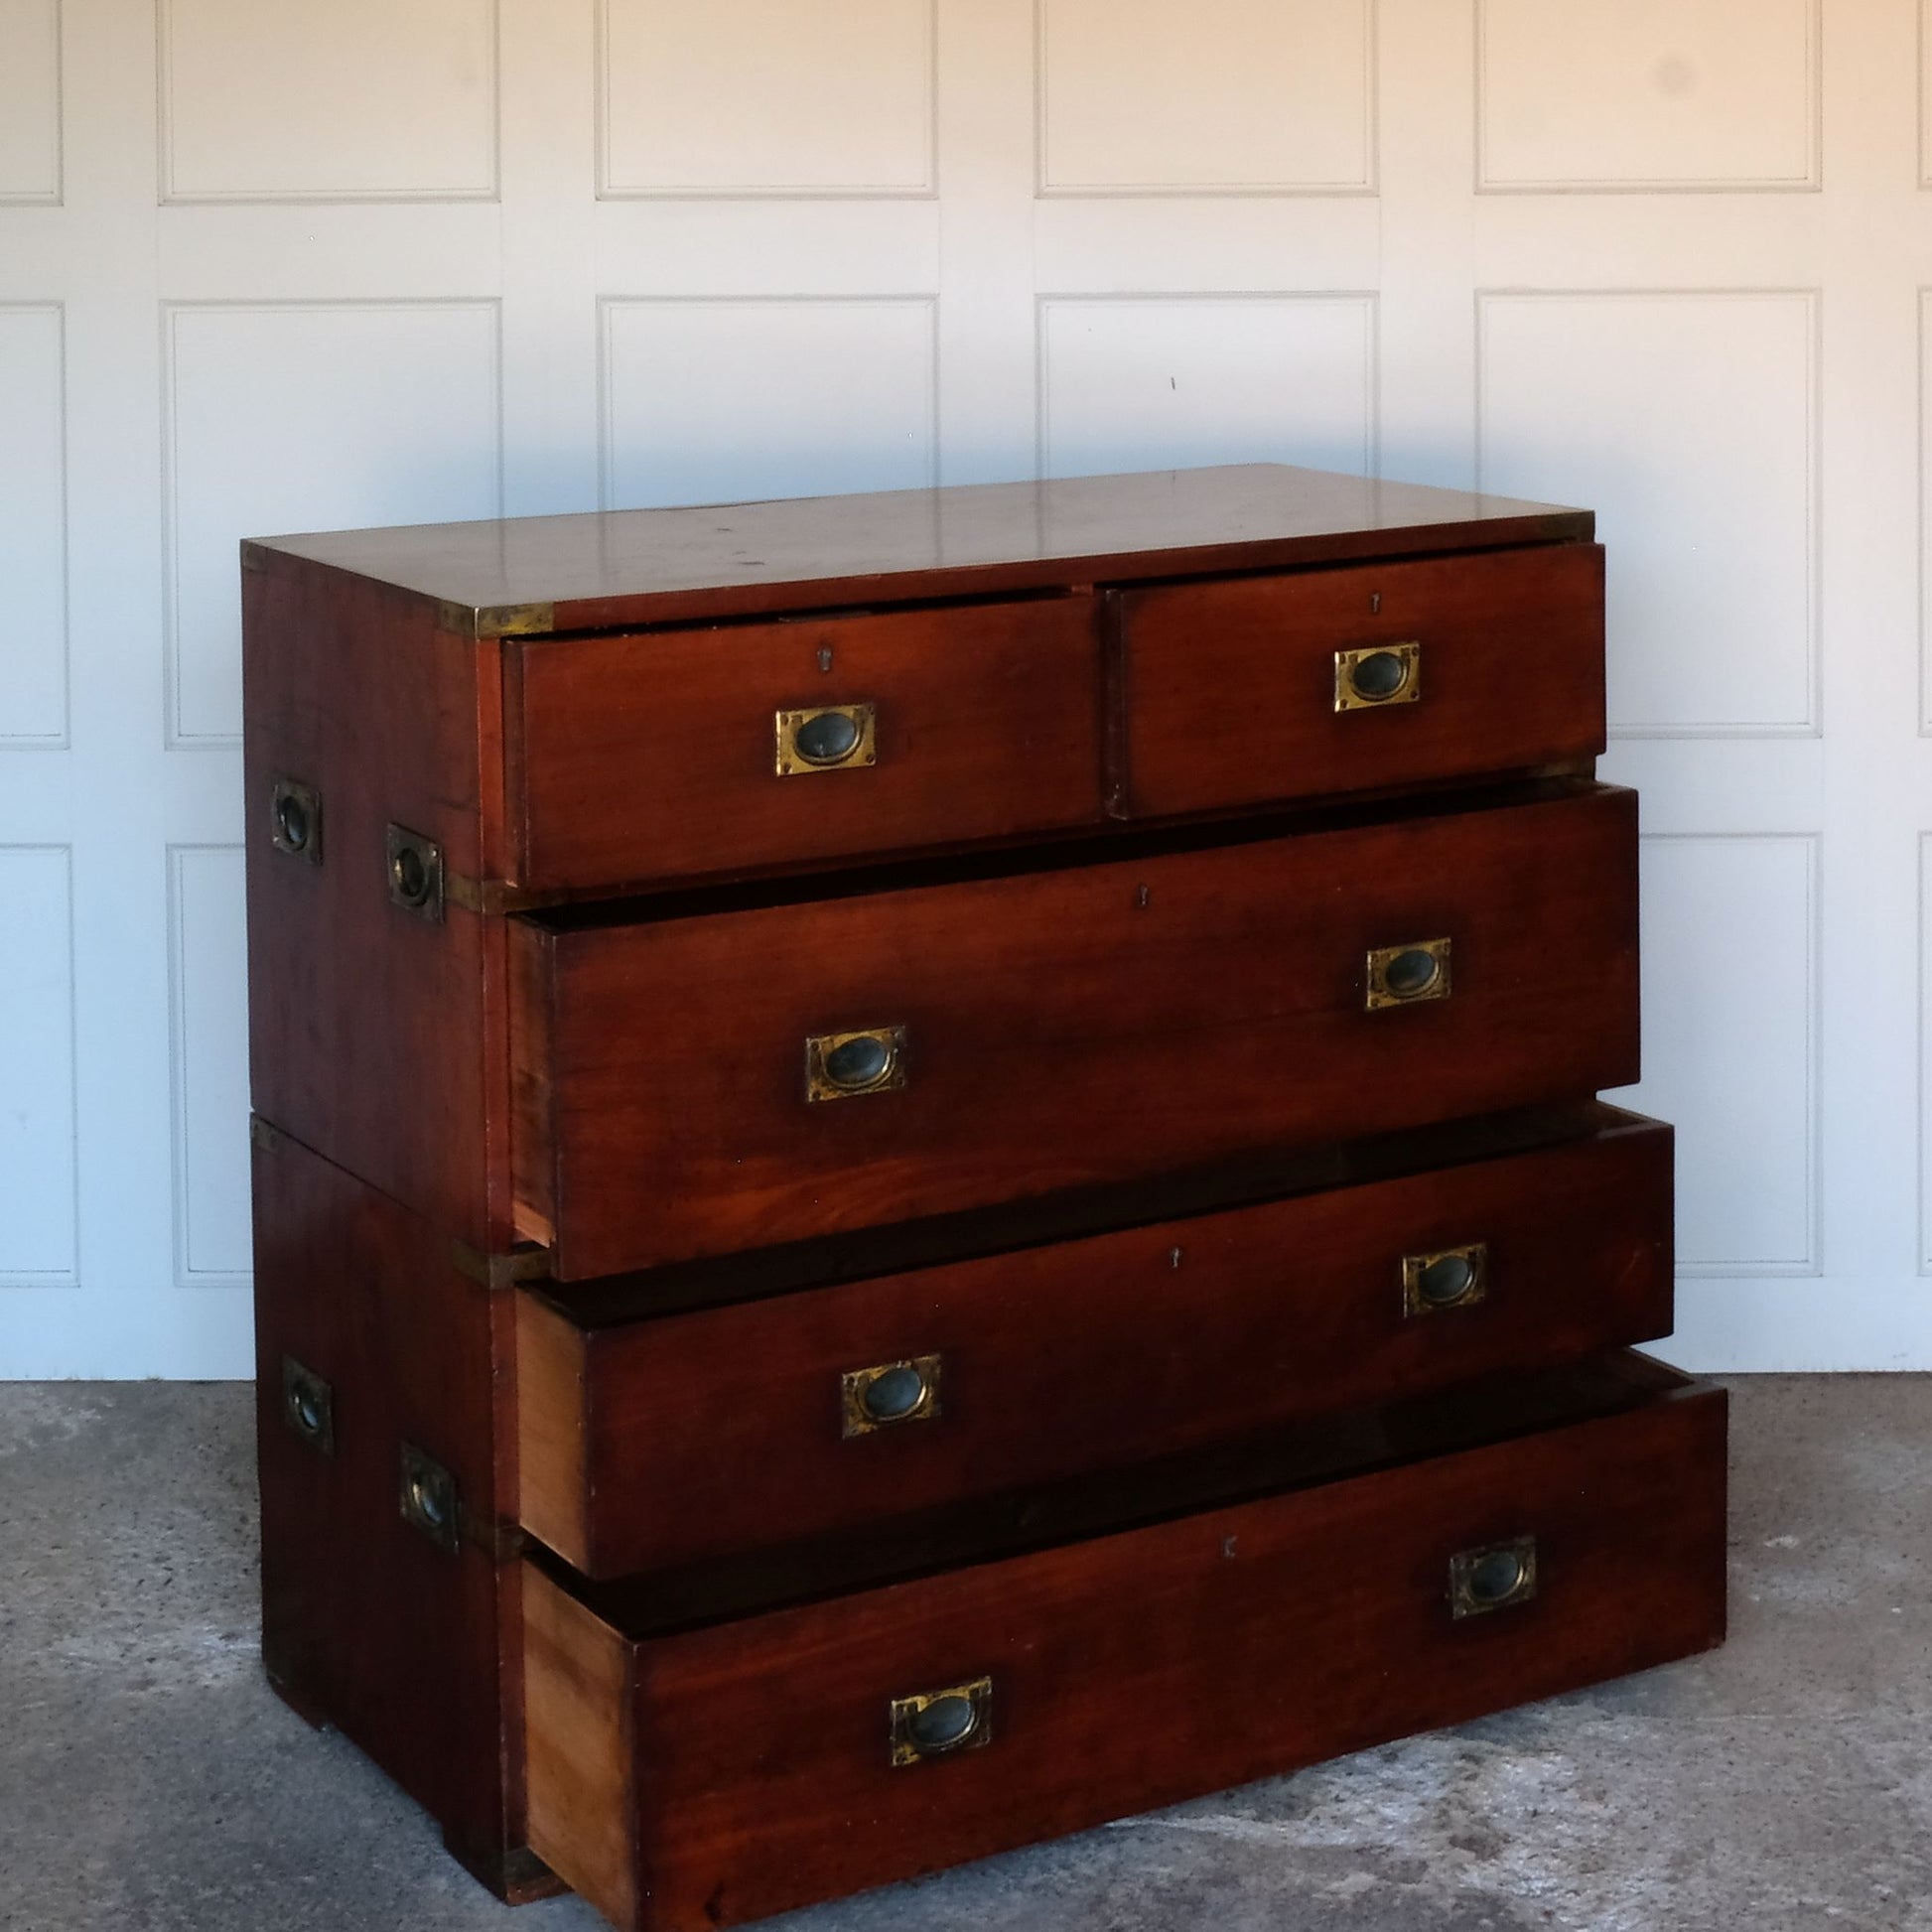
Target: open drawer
[878, 1397]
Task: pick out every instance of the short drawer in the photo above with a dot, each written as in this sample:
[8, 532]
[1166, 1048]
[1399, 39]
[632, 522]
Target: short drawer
[680, 753]
[1328, 681]
[884, 1397]
[702, 1083]
[724, 1768]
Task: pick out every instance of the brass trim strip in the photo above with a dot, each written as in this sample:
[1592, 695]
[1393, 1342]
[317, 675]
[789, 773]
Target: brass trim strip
[501, 1271]
[495, 621]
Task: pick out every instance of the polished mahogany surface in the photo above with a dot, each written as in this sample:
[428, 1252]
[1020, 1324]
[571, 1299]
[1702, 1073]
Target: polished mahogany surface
[604, 569]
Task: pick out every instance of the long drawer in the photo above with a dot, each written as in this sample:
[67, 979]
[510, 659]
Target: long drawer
[698, 1082]
[882, 1397]
[692, 1766]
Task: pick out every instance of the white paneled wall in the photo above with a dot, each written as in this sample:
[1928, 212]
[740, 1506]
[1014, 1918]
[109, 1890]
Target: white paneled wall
[298, 265]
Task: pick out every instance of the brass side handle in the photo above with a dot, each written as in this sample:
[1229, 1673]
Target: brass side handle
[427, 1497]
[295, 820]
[1377, 675]
[309, 1405]
[1446, 1277]
[1407, 975]
[415, 867]
[941, 1724]
[889, 1394]
[1497, 1577]
[826, 737]
[843, 1067]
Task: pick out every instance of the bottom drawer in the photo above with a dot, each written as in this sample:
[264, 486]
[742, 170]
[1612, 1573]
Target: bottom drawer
[690, 1769]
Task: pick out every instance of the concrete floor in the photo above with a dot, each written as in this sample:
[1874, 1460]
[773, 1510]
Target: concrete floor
[149, 1782]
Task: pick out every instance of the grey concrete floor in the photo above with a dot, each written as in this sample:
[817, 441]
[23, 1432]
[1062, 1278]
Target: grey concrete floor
[149, 1781]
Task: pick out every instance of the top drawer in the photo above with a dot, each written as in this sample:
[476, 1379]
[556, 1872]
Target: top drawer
[681, 753]
[1258, 688]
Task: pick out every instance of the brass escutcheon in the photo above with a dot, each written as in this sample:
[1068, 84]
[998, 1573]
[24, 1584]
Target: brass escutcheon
[1497, 1577]
[889, 1394]
[1406, 975]
[844, 1067]
[826, 737]
[1448, 1278]
[1376, 675]
[942, 1724]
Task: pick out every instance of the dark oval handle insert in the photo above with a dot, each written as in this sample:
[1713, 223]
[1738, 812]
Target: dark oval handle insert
[889, 1393]
[1492, 1578]
[1449, 1278]
[939, 1724]
[1403, 975]
[428, 1497]
[839, 1066]
[415, 872]
[1378, 674]
[826, 737]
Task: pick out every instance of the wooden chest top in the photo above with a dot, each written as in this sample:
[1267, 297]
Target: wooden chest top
[529, 576]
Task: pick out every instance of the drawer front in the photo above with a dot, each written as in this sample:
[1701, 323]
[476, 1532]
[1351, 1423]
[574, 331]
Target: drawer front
[1233, 692]
[884, 1397]
[690, 751]
[1061, 1029]
[719, 1775]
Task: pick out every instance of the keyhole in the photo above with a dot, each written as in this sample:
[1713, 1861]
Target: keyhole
[1375, 603]
[825, 657]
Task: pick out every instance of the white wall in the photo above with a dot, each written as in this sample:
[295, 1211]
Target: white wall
[333, 262]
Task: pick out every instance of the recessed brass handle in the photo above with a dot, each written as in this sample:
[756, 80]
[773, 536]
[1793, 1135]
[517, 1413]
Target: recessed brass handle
[882, 1397]
[1449, 1278]
[1376, 675]
[843, 1067]
[428, 1498]
[415, 872]
[1497, 1577]
[941, 1724]
[826, 737]
[309, 1405]
[295, 820]
[1401, 976]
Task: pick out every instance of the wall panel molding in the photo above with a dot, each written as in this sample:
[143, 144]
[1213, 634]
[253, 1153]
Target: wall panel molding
[33, 104]
[735, 397]
[755, 82]
[1219, 418]
[1742, 1102]
[36, 664]
[39, 1162]
[384, 438]
[1625, 454]
[209, 1065]
[1273, 104]
[358, 101]
[1734, 27]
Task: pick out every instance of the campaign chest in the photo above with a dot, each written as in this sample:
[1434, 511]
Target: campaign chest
[928, 1167]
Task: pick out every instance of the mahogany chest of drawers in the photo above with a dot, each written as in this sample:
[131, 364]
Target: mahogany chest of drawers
[927, 1167]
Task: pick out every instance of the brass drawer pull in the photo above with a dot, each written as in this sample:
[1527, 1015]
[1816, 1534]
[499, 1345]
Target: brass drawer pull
[295, 820]
[1497, 1577]
[826, 737]
[1378, 674]
[1451, 1278]
[941, 1724]
[1401, 976]
[841, 1067]
[892, 1393]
